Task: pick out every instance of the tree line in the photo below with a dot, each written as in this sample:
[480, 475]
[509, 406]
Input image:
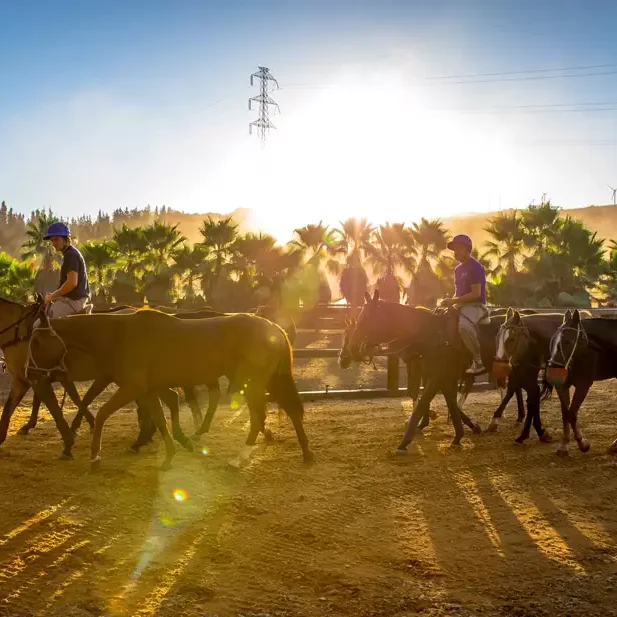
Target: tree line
[534, 257]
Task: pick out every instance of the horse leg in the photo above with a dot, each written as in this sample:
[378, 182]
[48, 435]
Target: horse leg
[97, 387]
[580, 393]
[430, 390]
[172, 400]
[34, 416]
[121, 397]
[533, 411]
[214, 395]
[564, 399]
[511, 390]
[256, 402]
[158, 417]
[520, 405]
[190, 395]
[146, 427]
[17, 393]
[44, 390]
[449, 393]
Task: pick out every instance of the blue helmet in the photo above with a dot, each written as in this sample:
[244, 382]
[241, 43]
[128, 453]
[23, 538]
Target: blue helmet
[461, 239]
[57, 229]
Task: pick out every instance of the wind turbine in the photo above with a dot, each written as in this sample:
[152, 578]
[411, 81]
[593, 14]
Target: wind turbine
[614, 193]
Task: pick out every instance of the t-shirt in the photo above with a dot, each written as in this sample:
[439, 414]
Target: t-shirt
[466, 274]
[73, 261]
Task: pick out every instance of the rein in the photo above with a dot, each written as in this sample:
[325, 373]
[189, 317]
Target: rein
[31, 365]
[17, 339]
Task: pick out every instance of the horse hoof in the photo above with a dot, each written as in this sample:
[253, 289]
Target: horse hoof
[519, 421]
[519, 441]
[455, 444]
[268, 436]
[562, 452]
[65, 456]
[234, 464]
[166, 466]
[188, 445]
[135, 447]
[476, 429]
[24, 430]
[401, 452]
[612, 449]
[308, 457]
[546, 437]
[196, 437]
[491, 428]
[95, 465]
[584, 446]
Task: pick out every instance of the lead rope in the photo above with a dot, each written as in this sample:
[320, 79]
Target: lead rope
[31, 363]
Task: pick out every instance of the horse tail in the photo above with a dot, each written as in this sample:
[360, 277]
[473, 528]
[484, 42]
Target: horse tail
[282, 387]
[546, 391]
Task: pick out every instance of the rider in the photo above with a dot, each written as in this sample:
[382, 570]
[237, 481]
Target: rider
[470, 295]
[73, 294]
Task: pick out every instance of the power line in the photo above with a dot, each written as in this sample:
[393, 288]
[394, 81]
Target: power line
[501, 73]
[528, 78]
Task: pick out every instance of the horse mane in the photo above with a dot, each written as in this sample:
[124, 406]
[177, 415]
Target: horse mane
[12, 302]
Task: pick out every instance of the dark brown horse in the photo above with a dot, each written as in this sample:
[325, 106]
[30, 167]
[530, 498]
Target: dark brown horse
[182, 352]
[434, 336]
[582, 351]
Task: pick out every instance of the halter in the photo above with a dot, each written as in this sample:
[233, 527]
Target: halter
[580, 335]
[521, 330]
[16, 338]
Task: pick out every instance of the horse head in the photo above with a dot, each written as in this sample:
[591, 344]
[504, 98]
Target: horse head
[511, 343]
[569, 341]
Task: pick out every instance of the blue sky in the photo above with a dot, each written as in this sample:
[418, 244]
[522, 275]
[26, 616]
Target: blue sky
[107, 104]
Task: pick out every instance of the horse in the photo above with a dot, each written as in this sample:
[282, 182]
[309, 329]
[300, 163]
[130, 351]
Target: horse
[582, 352]
[147, 429]
[434, 336]
[182, 352]
[522, 346]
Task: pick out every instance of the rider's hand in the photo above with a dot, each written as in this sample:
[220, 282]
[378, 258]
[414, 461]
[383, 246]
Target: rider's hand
[445, 302]
[49, 299]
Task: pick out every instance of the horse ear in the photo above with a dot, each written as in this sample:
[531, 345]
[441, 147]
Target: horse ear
[367, 297]
[509, 313]
[567, 316]
[576, 317]
[516, 316]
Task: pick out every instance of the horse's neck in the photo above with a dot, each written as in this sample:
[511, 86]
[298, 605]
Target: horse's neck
[9, 314]
[408, 322]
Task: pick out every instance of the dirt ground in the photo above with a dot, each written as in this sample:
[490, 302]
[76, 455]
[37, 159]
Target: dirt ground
[492, 529]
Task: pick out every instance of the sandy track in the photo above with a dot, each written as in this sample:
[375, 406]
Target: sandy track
[494, 529]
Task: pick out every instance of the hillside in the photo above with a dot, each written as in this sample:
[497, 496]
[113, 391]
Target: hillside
[601, 219]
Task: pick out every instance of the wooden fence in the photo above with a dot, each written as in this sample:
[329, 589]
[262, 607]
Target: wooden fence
[330, 319]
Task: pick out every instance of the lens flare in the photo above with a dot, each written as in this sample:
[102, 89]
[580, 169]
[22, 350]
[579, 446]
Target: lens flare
[205, 451]
[180, 495]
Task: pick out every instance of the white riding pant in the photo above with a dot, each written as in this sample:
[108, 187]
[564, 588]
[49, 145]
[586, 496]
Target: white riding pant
[65, 306]
[470, 316]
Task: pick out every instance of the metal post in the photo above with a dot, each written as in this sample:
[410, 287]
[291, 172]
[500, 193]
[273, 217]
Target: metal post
[392, 375]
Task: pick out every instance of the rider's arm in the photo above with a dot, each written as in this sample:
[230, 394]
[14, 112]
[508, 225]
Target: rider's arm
[473, 296]
[67, 286]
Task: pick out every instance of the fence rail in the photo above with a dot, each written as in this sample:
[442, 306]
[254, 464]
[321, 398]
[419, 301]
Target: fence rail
[332, 317]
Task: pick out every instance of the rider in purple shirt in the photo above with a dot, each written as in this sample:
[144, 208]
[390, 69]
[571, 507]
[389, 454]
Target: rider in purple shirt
[470, 296]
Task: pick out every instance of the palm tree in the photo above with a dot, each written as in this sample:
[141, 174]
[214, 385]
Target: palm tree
[126, 287]
[431, 238]
[219, 239]
[162, 240]
[16, 278]
[99, 256]
[506, 244]
[541, 226]
[317, 245]
[37, 248]
[189, 264]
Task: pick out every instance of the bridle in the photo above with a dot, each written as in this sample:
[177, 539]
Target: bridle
[17, 339]
[522, 337]
[556, 341]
